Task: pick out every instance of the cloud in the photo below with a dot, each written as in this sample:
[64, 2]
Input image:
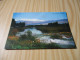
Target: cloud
[29, 20]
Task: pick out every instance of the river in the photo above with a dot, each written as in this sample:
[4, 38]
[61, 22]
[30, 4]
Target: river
[46, 39]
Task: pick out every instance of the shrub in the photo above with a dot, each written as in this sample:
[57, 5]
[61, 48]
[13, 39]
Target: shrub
[23, 37]
[20, 29]
[56, 36]
[28, 36]
[29, 33]
[10, 44]
[52, 45]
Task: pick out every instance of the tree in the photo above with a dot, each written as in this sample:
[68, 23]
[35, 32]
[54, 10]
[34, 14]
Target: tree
[29, 36]
[21, 24]
[23, 37]
[29, 33]
[13, 23]
[53, 24]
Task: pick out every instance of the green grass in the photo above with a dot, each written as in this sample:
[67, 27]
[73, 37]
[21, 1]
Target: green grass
[13, 44]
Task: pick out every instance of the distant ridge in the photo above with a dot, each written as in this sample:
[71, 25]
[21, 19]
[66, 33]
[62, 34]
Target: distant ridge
[61, 21]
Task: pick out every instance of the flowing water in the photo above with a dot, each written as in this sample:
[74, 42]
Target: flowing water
[46, 39]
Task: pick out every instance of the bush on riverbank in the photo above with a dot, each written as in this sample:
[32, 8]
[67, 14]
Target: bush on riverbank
[27, 37]
[56, 36]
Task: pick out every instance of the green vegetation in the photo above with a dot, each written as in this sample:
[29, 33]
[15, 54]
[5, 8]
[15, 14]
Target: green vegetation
[27, 37]
[56, 36]
[68, 34]
[50, 28]
[27, 44]
[14, 24]
[28, 41]
[16, 44]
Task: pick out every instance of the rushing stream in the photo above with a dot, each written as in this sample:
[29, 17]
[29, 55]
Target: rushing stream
[46, 39]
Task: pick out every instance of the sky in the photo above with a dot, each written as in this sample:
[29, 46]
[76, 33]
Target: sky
[39, 16]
